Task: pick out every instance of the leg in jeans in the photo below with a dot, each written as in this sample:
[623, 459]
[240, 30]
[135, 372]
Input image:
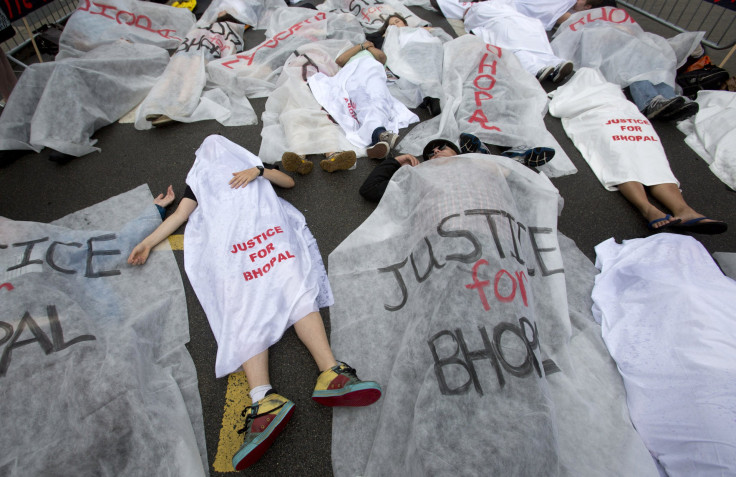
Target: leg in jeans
[643, 91]
[376, 133]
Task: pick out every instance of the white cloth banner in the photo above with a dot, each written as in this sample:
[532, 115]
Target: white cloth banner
[616, 140]
[110, 56]
[710, 133]
[546, 11]
[249, 255]
[487, 93]
[667, 315]
[358, 99]
[95, 378]
[249, 12]
[254, 73]
[608, 39]
[293, 120]
[372, 13]
[452, 295]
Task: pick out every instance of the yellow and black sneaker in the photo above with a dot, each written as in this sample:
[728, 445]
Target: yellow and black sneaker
[340, 386]
[263, 423]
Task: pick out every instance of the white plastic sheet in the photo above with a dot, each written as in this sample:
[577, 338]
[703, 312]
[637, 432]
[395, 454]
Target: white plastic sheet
[710, 133]
[248, 12]
[609, 40]
[615, 139]
[546, 11]
[667, 316]
[253, 73]
[452, 295]
[95, 378]
[372, 13]
[488, 93]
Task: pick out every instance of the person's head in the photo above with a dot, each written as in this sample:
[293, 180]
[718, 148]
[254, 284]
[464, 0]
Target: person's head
[581, 5]
[440, 148]
[394, 19]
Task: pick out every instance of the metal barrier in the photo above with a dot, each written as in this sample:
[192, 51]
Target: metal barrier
[54, 12]
[716, 17]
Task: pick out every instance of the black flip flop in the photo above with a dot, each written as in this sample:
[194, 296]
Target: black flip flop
[697, 226]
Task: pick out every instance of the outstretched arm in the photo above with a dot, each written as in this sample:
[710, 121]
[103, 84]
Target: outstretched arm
[366, 45]
[246, 176]
[140, 252]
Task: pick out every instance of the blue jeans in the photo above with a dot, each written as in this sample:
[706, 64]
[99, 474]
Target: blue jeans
[643, 91]
[376, 133]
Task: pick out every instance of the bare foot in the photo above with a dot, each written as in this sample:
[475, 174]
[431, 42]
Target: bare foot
[657, 219]
[165, 200]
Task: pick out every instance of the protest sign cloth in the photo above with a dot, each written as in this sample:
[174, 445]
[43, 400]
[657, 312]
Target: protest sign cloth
[249, 255]
[667, 317]
[616, 140]
[453, 295]
[95, 378]
[487, 93]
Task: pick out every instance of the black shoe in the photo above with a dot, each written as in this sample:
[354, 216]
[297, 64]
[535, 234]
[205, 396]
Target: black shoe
[432, 105]
[61, 158]
[688, 109]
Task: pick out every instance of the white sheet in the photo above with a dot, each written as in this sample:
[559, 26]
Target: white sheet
[546, 11]
[372, 13]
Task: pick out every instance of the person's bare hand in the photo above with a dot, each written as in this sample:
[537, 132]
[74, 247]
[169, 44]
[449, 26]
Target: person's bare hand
[139, 255]
[165, 200]
[368, 44]
[407, 160]
[243, 178]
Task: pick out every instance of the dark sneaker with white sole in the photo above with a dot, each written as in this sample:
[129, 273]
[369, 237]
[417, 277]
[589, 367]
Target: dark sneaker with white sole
[530, 156]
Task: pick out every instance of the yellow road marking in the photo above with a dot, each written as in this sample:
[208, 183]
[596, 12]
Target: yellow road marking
[176, 242]
[236, 399]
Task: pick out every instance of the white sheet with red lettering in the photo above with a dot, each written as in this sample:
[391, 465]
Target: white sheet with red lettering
[253, 73]
[667, 317]
[488, 93]
[459, 298]
[615, 139]
[358, 99]
[293, 120]
[249, 255]
[95, 377]
[710, 133]
[610, 40]
[372, 13]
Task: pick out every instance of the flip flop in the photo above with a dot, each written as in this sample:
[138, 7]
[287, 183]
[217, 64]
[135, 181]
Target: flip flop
[697, 226]
[652, 228]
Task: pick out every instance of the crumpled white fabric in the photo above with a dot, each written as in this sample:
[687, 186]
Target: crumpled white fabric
[256, 269]
[710, 133]
[372, 13]
[610, 40]
[358, 99]
[253, 73]
[488, 93]
[616, 140]
[499, 23]
[110, 56]
[415, 55]
[546, 11]
[95, 377]
[441, 297]
[248, 12]
[293, 120]
[667, 317]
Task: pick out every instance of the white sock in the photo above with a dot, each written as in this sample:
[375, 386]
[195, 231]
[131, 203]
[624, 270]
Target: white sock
[259, 392]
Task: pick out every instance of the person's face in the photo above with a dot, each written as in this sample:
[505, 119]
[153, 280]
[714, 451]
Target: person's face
[581, 5]
[441, 151]
[397, 22]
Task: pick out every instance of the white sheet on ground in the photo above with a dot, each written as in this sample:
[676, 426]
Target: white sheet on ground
[667, 316]
[610, 40]
[358, 99]
[256, 270]
[452, 296]
[253, 73]
[488, 93]
[499, 23]
[293, 120]
[710, 133]
[95, 376]
[110, 56]
[546, 11]
[616, 140]
[372, 13]
[249, 12]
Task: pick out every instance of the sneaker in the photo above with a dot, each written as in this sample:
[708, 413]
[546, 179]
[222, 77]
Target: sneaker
[688, 109]
[263, 423]
[293, 162]
[470, 144]
[379, 150]
[340, 386]
[544, 73]
[530, 156]
[338, 161]
[389, 138]
[562, 71]
[659, 106]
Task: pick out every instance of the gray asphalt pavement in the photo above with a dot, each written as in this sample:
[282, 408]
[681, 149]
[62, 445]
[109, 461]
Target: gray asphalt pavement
[35, 189]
